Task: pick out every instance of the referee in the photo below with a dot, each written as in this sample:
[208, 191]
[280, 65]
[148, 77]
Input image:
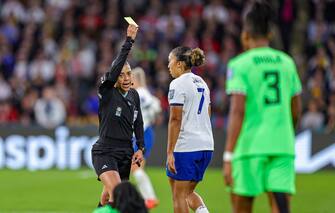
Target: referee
[119, 117]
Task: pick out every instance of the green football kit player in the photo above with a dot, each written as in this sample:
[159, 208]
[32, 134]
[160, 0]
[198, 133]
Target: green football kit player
[106, 209]
[265, 106]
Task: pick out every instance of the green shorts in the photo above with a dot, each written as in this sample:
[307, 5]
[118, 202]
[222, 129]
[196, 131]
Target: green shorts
[257, 174]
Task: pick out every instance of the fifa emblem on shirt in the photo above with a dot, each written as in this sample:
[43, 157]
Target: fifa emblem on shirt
[171, 94]
[118, 111]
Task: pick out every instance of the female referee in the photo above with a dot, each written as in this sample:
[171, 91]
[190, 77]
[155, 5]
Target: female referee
[119, 117]
[190, 137]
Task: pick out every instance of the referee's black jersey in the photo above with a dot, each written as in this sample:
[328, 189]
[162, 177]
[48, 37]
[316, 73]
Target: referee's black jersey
[119, 116]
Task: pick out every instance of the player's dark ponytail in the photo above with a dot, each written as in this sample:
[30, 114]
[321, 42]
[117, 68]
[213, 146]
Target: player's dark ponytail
[259, 18]
[191, 57]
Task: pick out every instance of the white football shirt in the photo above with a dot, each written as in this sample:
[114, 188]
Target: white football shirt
[150, 106]
[191, 92]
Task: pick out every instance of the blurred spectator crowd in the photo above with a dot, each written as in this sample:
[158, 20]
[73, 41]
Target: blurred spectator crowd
[53, 52]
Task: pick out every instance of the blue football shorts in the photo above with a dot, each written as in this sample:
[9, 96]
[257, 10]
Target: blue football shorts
[190, 166]
[149, 136]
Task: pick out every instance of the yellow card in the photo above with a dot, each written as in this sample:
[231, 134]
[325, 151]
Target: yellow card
[130, 21]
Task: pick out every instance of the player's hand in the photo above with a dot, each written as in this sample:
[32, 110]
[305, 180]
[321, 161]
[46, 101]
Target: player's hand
[132, 31]
[227, 173]
[170, 164]
[138, 158]
[104, 197]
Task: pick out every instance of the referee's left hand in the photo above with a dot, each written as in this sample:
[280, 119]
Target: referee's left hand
[138, 157]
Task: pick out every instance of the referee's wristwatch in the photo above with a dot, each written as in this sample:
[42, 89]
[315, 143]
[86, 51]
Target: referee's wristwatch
[142, 149]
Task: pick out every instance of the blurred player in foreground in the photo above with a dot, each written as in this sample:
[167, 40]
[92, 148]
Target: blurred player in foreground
[190, 137]
[150, 107]
[265, 107]
[126, 200]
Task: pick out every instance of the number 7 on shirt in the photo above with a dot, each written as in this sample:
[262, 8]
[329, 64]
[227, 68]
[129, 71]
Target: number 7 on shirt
[201, 90]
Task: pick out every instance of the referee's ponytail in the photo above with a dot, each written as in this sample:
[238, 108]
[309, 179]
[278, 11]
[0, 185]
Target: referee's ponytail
[192, 57]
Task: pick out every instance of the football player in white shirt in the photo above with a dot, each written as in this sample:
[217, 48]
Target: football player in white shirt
[190, 138]
[150, 107]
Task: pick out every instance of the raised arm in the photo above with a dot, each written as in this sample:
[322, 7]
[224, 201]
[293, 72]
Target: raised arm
[114, 71]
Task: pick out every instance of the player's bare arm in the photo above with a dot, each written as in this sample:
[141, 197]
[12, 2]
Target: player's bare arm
[173, 133]
[236, 116]
[296, 109]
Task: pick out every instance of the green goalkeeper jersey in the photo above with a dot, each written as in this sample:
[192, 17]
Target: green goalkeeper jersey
[269, 79]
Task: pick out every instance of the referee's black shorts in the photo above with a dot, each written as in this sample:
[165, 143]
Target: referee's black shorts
[116, 156]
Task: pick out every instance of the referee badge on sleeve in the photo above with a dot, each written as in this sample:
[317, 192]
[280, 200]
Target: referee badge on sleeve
[135, 115]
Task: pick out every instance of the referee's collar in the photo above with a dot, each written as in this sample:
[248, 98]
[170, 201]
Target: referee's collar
[123, 94]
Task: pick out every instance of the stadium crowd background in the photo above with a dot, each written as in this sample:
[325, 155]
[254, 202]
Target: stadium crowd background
[53, 52]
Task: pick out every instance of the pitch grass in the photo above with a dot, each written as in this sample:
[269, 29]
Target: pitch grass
[78, 191]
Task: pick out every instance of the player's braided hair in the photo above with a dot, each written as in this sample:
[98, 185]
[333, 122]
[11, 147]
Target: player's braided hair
[259, 18]
[191, 57]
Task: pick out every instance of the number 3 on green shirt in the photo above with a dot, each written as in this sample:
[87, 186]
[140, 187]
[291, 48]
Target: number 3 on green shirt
[272, 79]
